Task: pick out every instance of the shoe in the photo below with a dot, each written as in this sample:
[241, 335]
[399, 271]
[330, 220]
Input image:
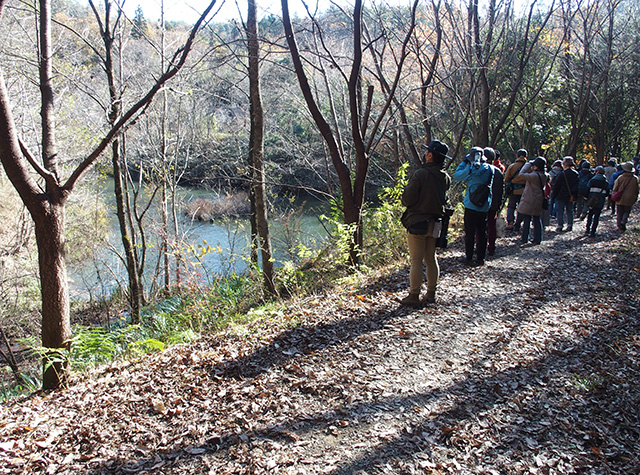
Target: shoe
[586, 233]
[559, 229]
[429, 298]
[569, 229]
[491, 252]
[479, 262]
[411, 300]
[535, 243]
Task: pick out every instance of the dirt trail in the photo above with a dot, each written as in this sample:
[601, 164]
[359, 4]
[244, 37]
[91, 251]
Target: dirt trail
[529, 364]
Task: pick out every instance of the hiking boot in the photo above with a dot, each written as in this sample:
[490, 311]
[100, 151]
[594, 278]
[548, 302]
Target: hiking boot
[430, 297]
[569, 229]
[411, 300]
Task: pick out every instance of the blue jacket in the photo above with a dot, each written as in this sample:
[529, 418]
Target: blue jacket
[474, 175]
[614, 177]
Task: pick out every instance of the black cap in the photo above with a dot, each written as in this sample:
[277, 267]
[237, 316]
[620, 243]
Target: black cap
[438, 148]
[540, 163]
[489, 154]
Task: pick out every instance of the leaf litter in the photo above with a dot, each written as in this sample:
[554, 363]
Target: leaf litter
[527, 365]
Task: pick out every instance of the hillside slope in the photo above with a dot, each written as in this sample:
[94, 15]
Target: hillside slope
[529, 364]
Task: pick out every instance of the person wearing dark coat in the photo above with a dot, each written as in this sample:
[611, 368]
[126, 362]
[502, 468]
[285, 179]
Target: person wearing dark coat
[425, 197]
[598, 192]
[565, 191]
[497, 192]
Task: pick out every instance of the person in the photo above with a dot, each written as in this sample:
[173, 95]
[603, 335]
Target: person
[478, 175]
[612, 181]
[514, 191]
[497, 163]
[598, 191]
[534, 177]
[636, 165]
[556, 169]
[627, 182]
[609, 170]
[564, 190]
[424, 197]
[497, 193]
[584, 177]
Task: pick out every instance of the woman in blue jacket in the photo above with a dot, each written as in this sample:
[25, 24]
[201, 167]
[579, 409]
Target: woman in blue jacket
[478, 175]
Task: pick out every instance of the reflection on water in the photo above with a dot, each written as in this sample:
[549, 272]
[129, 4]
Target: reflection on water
[210, 249]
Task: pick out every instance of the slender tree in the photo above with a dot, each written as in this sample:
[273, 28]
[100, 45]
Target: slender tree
[256, 152]
[47, 206]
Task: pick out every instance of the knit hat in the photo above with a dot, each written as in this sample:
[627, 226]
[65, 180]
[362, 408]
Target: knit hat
[585, 164]
[627, 166]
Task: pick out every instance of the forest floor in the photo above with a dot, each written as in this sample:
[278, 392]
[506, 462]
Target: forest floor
[527, 365]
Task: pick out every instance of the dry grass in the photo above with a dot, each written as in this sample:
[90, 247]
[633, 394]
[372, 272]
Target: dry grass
[203, 209]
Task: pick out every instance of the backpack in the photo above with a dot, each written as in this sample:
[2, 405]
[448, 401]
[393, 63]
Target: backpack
[583, 184]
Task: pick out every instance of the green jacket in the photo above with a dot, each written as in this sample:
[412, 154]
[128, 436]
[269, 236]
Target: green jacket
[422, 195]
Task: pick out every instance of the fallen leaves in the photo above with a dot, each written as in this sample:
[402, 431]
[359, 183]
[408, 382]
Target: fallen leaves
[519, 369]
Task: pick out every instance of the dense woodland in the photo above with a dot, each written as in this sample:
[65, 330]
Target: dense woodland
[330, 104]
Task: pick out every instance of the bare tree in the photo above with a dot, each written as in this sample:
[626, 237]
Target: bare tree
[47, 206]
[256, 153]
[364, 123]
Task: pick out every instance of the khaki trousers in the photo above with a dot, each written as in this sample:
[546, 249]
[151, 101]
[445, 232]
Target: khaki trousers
[422, 249]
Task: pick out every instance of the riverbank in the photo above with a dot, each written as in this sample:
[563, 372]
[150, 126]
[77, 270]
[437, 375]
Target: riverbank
[525, 365]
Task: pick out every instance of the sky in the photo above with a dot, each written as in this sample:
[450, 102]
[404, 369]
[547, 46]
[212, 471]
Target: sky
[189, 10]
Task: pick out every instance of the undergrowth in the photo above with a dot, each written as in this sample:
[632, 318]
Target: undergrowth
[232, 303]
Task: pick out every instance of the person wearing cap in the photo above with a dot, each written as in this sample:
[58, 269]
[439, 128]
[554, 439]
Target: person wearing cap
[534, 177]
[425, 197]
[609, 170]
[627, 182]
[584, 177]
[556, 169]
[477, 174]
[497, 193]
[514, 190]
[497, 163]
[598, 191]
[565, 190]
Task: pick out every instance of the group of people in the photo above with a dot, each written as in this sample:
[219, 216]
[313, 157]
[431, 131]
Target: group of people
[533, 196]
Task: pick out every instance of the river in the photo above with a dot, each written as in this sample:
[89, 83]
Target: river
[294, 227]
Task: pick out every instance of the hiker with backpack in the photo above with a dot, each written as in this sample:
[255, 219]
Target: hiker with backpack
[564, 190]
[626, 186]
[598, 192]
[584, 177]
[514, 190]
[479, 178]
[497, 193]
[425, 199]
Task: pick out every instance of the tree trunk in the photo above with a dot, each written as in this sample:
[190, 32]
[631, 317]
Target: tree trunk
[56, 326]
[256, 151]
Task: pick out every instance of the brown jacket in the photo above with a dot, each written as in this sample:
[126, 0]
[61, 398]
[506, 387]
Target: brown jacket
[512, 171]
[629, 182]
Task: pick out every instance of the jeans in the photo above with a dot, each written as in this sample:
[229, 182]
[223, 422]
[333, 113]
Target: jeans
[422, 249]
[475, 222]
[511, 207]
[537, 229]
[593, 218]
[561, 208]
